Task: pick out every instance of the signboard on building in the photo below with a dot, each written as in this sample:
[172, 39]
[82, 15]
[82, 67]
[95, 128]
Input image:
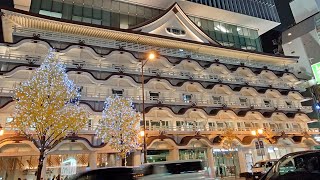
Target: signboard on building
[261, 144]
[257, 144]
[69, 167]
[316, 71]
[260, 148]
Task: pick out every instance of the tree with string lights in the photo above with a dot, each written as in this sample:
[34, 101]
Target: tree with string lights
[47, 107]
[120, 126]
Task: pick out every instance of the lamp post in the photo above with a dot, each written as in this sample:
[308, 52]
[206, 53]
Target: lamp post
[1, 130]
[258, 133]
[150, 56]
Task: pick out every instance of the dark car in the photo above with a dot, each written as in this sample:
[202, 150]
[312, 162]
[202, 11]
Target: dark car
[114, 173]
[304, 165]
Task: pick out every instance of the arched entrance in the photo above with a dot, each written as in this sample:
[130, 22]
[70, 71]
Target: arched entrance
[161, 150]
[17, 159]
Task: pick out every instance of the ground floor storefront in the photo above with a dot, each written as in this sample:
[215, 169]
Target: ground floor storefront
[20, 160]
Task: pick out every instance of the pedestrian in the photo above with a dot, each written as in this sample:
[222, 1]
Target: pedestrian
[19, 178]
[54, 177]
[221, 171]
[58, 177]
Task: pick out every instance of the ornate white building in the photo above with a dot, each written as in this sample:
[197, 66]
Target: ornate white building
[198, 92]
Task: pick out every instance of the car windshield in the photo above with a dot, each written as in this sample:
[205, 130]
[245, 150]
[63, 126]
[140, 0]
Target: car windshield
[259, 164]
[304, 163]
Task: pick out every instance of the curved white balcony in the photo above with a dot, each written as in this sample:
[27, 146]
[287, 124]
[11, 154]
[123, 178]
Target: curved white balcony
[101, 42]
[202, 102]
[178, 100]
[210, 130]
[152, 72]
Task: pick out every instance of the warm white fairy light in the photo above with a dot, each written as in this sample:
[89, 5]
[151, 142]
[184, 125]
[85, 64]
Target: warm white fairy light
[47, 106]
[120, 125]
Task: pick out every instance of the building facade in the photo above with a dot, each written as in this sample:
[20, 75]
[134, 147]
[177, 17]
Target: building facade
[199, 92]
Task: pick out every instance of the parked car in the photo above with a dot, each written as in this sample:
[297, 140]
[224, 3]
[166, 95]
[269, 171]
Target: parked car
[177, 170]
[304, 165]
[112, 173]
[262, 167]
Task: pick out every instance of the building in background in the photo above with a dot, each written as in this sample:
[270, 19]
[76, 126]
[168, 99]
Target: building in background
[302, 39]
[210, 82]
[271, 40]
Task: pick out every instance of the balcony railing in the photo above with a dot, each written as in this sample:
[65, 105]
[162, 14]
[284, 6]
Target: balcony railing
[5, 91]
[101, 42]
[91, 129]
[240, 130]
[224, 101]
[231, 78]
[202, 102]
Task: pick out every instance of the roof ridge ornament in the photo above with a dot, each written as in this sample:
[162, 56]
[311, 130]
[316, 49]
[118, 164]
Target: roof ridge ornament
[175, 23]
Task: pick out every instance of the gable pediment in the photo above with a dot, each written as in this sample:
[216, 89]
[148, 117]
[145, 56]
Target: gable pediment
[175, 23]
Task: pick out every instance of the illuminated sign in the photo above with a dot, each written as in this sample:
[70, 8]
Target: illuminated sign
[316, 71]
[69, 167]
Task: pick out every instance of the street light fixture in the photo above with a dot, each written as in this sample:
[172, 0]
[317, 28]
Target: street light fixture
[255, 132]
[142, 133]
[151, 55]
[1, 130]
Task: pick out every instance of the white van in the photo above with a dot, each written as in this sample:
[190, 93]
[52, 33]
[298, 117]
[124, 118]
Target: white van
[262, 167]
[177, 170]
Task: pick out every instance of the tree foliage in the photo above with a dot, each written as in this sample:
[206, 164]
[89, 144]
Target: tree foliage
[47, 106]
[120, 125]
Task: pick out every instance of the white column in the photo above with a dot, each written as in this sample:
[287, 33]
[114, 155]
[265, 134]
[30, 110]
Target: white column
[173, 154]
[242, 160]
[211, 162]
[137, 158]
[93, 160]
[44, 169]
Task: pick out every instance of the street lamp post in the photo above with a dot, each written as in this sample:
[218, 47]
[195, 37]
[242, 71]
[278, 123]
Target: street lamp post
[258, 133]
[150, 56]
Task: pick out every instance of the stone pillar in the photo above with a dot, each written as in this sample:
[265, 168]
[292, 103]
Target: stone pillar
[137, 158]
[211, 167]
[173, 154]
[242, 161]
[44, 168]
[93, 160]
[267, 152]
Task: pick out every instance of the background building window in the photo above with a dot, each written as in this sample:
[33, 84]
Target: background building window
[108, 13]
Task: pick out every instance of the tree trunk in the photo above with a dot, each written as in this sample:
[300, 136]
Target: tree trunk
[124, 161]
[40, 165]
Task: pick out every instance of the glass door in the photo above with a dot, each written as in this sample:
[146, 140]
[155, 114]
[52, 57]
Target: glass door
[226, 163]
